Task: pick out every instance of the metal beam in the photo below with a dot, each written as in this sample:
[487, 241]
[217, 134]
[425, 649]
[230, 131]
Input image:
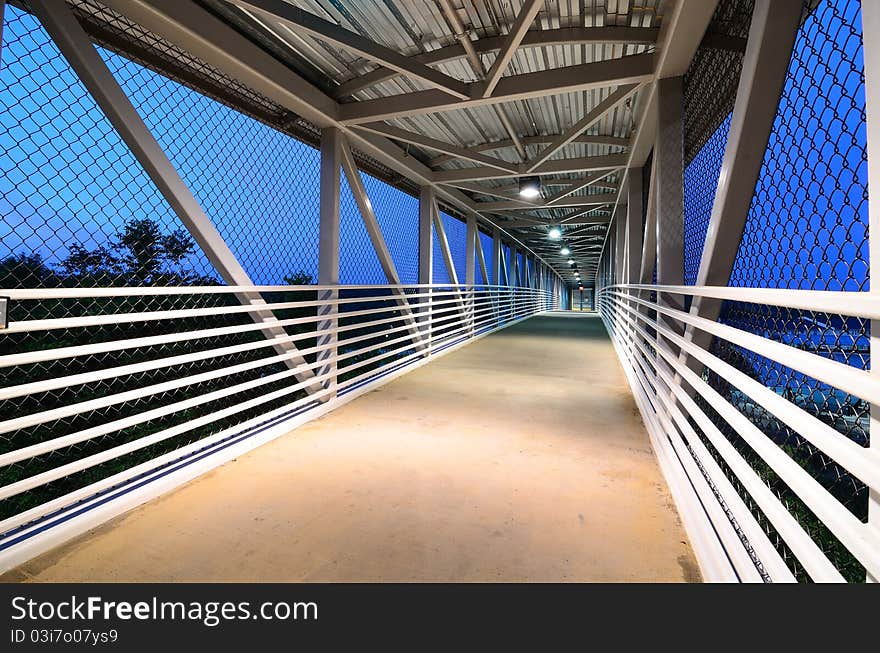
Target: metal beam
[444, 246]
[374, 231]
[533, 39]
[510, 192]
[669, 161]
[481, 259]
[497, 262]
[553, 167]
[634, 226]
[426, 236]
[590, 139]
[74, 44]
[470, 253]
[301, 21]
[516, 224]
[511, 42]
[426, 256]
[516, 205]
[477, 66]
[765, 64]
[619, 244]
[593, 116]
[328, 251]
[624, 70]
[649, 244]
[589, 180]
[399, 134]
[197, 31]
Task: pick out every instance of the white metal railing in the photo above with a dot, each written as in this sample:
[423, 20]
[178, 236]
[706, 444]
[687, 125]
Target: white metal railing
[341, 341]
[742, 528]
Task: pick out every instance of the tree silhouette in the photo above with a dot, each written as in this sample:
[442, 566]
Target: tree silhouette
[140, 254]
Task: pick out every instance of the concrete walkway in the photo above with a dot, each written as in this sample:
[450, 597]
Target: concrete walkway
[520, 457]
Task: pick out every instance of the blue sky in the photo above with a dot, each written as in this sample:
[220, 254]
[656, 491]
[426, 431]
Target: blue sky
[808, 224]
[68, 178]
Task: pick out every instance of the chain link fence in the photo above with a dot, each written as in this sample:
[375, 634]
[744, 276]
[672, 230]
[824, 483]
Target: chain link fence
[79, 211]
[807, 228]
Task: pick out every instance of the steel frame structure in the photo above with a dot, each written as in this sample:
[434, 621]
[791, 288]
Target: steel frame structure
[328, 362]
[618, 242]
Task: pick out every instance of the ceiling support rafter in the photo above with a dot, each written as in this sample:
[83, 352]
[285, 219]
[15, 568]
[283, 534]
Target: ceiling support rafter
[588, 139]
[477, 66]
[302, 21]
[399, 134]
[590, 180]
[593, 116]
[511, 43]
[609, 34]
[553, 167]
[631, 69]
[517, 205]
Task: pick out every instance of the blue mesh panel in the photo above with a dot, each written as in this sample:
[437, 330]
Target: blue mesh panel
[700, 184]
[486, 244]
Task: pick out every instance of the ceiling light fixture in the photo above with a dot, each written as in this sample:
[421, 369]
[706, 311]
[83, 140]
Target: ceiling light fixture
[529, 186]
[565, 251]
[554, 233]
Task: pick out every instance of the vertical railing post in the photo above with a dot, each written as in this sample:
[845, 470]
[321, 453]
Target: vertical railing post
[328, 254]
[511, 281]
[669, 159]
[620, 244]
[426, 261]
[470, 268]
[871, 25]
[496, 272]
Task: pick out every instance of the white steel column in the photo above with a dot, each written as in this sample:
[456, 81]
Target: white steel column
[448, 260]
[871, 25]
[470, 266]
[669, 162]
[511, 267]
[497, 263]
[328, 251]
[76, 47]
[426, 253]
[368, 216]
[634, 226]
[620, 244]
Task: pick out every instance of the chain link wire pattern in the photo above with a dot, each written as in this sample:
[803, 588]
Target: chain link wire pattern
[807, 228]
[79, 211]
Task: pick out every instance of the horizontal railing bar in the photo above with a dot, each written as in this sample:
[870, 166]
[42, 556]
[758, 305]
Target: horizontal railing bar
[27, 294]
[860, 461]
[843, 302]
[773, 563]
[37, 449]
[724, 528]
[115, 345]
[114, 452]
[839, 375]
[796, 538]
[852, 533]
[21, 326]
